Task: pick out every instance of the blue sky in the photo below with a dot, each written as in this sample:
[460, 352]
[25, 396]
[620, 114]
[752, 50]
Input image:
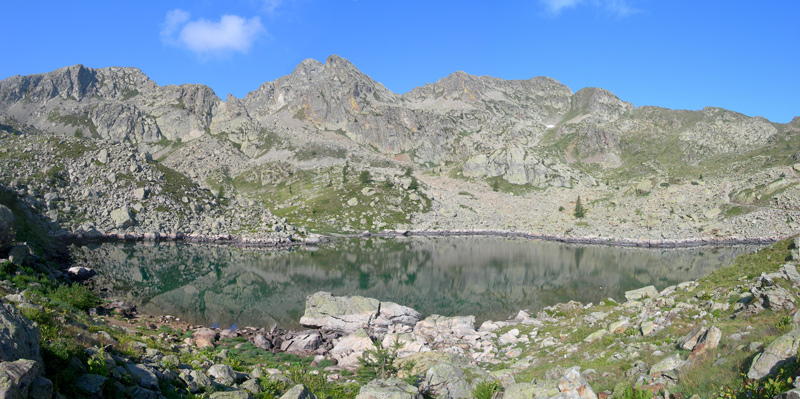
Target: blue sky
[739, 55]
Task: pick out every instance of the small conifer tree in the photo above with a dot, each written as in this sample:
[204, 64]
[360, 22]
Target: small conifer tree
[580, 211]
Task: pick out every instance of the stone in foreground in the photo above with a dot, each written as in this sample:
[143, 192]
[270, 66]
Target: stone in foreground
[779, 352]
[298, 391]
[390, 388]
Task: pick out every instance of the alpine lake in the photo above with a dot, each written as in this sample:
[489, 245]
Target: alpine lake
[491, 278]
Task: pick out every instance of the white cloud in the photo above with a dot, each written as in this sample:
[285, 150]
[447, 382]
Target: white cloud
[172, 23]
[270, 6]
[556, 6]
[231, 33]
[617, 8]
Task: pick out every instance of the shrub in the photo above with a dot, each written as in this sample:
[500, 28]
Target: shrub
[380, 363]
[76, 296]
[580, 211]
[365, 177]
[486, 389]
[633, 393]
[96, 363]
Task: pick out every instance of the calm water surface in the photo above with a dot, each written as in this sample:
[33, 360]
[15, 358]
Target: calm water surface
[491, 278]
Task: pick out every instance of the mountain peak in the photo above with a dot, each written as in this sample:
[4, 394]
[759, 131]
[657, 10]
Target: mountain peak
[337, 62]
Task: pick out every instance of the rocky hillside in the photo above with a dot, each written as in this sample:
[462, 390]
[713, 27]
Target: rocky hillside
[330, 149]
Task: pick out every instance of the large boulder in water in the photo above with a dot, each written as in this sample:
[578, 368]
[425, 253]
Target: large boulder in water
[346, 314]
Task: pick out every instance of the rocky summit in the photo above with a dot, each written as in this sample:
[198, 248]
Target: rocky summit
[108, 152]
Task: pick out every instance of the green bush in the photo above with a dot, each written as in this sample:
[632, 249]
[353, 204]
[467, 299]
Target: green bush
[380, 363]
[365, 177]
[633, 393]
[96, 364]
[271, 389]
[580, 211]
[486, 389]
[76, 296]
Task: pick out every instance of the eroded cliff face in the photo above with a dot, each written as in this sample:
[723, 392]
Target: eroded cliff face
[495, 126]
[306, 131]
[117, 104]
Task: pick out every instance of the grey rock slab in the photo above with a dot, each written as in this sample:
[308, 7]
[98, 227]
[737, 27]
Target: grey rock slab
[573, 384]
[519, 391]
[392, 314]
[91, 384]
[205, 333]
[645, 292]
[262, 342]
[19, 337]
[141, 193]
[544, 389]
[348, 350]
[17, 377]
[238, 394]
[123, 218]
[298, 391]
[41, 388]
[222, 374]
[251, 386]
[779, 352]
[143, 376]
[19, 254]
[196, 381]
[708, 341]
[669, 363]
[443, 327]
[689, 341]
[389, 388]
[447, 382]
[791, 394]
[302, 343]
[341, 314]
[138, 392]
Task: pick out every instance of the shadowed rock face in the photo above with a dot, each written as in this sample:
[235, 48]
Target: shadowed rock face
[485, 277]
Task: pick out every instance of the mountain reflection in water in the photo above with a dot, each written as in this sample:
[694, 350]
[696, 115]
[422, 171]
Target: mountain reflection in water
[489, 277]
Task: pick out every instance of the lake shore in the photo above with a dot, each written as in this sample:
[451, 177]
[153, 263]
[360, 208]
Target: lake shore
[316, 239]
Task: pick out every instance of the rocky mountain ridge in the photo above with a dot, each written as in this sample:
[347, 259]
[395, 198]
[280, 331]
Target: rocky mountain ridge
[303, 131]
